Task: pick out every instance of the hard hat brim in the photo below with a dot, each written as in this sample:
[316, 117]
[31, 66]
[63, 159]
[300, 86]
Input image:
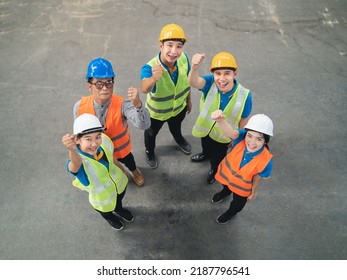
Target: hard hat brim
[91, 130]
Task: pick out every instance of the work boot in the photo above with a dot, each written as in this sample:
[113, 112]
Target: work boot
[185, 146]
[138, 177]
[151, 159]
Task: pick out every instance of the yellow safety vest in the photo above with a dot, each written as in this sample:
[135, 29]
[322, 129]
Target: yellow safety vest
[169, 99]
[104, 184]
[205, 125]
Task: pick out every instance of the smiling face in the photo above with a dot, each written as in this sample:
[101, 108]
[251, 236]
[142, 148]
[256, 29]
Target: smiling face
[90, 143]
[254, 141]
[224, 79]
[104, 94]
[170, 52]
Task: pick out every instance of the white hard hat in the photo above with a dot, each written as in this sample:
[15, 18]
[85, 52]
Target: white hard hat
[260, 123]
[86, 123]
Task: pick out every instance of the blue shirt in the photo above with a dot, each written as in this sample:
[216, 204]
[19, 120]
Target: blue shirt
[81, 174]
[248, 156]
[146, 71]
[225, 98]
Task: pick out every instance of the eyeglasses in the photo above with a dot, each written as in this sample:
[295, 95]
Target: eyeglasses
[99, 85]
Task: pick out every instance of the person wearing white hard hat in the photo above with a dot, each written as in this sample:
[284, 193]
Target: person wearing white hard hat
[248, 162]
[90, 151]
[114, 112]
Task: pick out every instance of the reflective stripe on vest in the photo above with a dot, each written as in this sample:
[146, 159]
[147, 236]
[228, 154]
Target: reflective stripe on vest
[115, 128]
[240, 180]
[104, 185]
[169, 99]
[205, 125]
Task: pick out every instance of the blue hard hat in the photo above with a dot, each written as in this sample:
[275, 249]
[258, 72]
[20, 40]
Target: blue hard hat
[100, 68]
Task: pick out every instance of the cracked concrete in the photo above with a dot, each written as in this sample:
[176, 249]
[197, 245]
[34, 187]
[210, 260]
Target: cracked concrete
[291, 55]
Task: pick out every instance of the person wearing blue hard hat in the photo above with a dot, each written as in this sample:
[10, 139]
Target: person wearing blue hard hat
[114, 112]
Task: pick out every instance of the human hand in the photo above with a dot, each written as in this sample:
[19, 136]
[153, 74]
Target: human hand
[218, 115]
[69, 141]
[157, 72]
[252, 197]
[197, 60]
[133, 96]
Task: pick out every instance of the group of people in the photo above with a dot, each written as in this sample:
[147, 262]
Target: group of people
[100, 151]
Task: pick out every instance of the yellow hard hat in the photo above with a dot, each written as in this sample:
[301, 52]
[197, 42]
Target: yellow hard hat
[172, 31]
[223, 60]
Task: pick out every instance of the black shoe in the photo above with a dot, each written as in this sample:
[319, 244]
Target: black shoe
[125, 214]
[210, 176]
[224, 218]
[151, 159]
[219, 197]
[185, 147]
[116, 224]
[198, 157]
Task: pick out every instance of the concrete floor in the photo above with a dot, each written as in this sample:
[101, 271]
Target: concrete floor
[291, 54]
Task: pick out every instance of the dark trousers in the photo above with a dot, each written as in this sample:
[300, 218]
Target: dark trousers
[238, 202]
[215, 151]
[109, 216]
[128, 161]
[174, 124]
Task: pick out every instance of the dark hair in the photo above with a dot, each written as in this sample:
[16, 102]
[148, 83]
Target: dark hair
[266, 137]
[90, 79]
[178, 40]
[223, 68]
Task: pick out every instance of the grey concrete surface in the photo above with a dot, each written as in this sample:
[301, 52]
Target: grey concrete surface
[291, 54]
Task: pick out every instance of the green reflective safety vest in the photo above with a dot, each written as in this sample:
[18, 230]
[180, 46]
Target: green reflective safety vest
[169, 99]
[104, 184]
[204, 124]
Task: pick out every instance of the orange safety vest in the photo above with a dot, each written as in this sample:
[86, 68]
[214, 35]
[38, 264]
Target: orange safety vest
[240, 180]
[114, 127]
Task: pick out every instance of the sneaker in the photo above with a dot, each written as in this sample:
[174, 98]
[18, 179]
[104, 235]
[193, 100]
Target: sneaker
[138, 177]
[185, 147]
[125, 214]
[218, 197]
[116, 224]
[210, 176]
[151, 159]
[224, 218]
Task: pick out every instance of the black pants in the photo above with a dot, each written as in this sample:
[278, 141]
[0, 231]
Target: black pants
[174, 124]
[238, 202]
[109, 215]
[128, 161]
[213, 150]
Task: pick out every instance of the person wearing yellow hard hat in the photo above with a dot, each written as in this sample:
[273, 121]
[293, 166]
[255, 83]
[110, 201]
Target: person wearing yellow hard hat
[164, 81]
[220, 90]
[246, 165]
[114, 112]
[91, 162]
